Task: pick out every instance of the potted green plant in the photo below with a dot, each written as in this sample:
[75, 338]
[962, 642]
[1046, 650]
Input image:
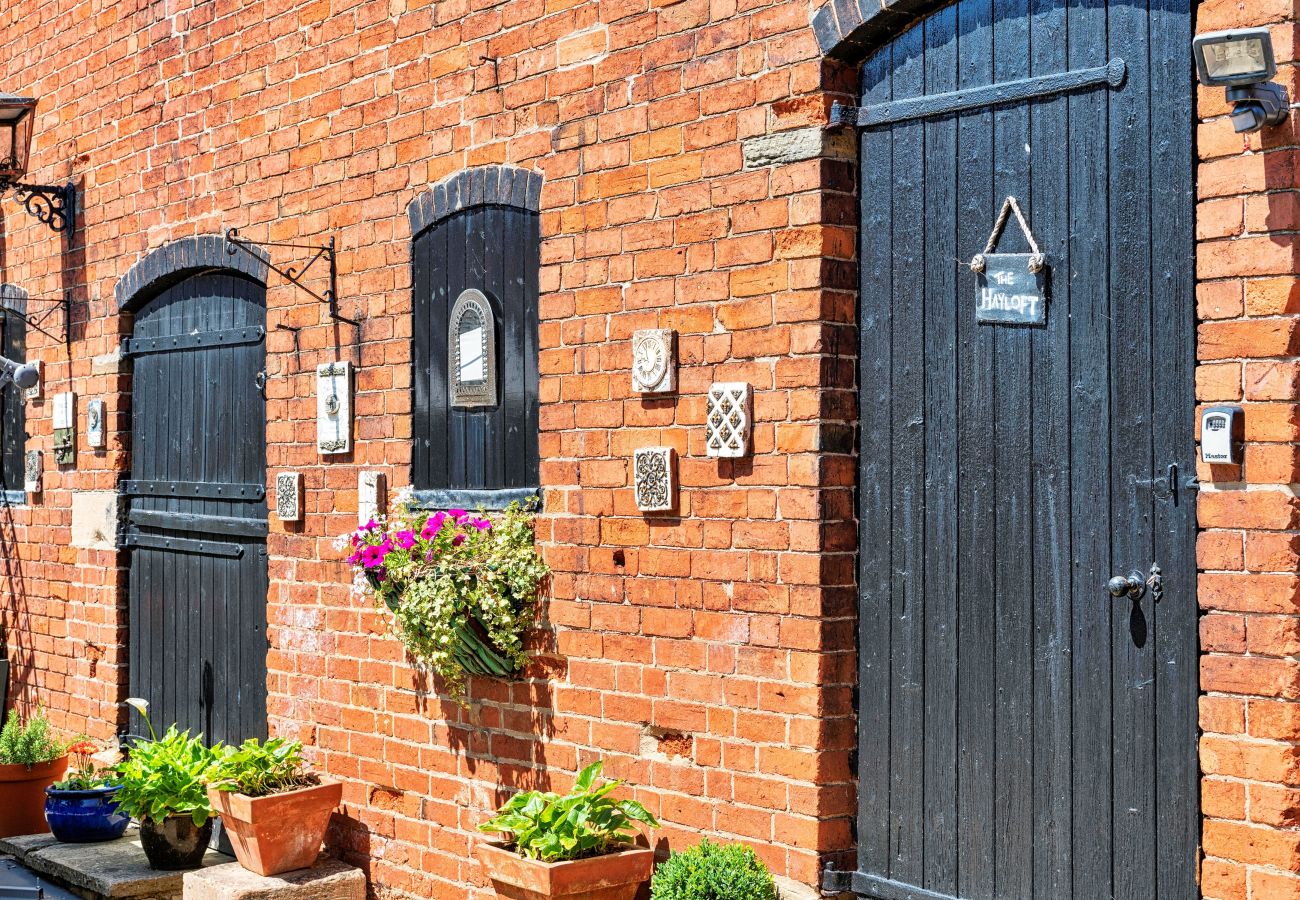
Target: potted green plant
[463, 588]
[163, 785]
[31, 759]
[710, 871]
[275, 811]
[82, 808]
[579, 843]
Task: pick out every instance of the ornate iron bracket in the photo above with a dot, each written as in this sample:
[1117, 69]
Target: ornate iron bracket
[53, 204]
[63, 303]
[295, 274]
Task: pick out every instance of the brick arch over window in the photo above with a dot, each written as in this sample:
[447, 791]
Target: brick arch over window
[480, 186]
[847, 33]
[178, 260]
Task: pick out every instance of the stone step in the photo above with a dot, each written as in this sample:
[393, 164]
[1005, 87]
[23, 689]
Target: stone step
[329, 879]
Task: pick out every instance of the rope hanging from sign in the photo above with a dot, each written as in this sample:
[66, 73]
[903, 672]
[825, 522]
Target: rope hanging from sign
[1037, 261]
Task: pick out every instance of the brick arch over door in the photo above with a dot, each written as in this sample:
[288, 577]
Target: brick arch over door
[196, 493]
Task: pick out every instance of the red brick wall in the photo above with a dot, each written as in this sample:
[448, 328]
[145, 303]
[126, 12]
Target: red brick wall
[1248, 298]
[709, 658]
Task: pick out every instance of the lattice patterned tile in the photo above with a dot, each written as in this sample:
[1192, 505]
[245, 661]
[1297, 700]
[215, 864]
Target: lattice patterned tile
[288, 496]
[728, 419]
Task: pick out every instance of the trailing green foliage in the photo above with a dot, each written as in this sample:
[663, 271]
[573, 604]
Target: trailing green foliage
[462, 587]
[167, 777]
[258, 769]
[28, 743]
[585, 822]
[711, 871]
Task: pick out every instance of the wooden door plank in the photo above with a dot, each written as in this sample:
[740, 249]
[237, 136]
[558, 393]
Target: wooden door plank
[1175, 644]
[941, 464]
[1090, 441]
[1051, 511]
[875, 475]
[976, 510]
[907, 710]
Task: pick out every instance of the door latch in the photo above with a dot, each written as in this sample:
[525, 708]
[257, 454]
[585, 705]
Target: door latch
[1135, 587]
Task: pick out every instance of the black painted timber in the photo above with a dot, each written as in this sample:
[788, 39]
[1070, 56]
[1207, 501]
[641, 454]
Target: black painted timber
[13, 412]
[198, 576]
[494, 249]
[1024, 736]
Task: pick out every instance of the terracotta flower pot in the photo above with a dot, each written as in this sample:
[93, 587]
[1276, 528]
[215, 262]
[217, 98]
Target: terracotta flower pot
[615, 876]
[22, 796]
[281, 832]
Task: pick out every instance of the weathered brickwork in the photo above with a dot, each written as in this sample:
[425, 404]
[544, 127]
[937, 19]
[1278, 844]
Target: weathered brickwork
[1249, 551]
[708, 657]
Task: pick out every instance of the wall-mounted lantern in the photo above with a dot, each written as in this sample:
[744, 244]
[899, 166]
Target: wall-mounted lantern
[54, 205]
[1241, 60]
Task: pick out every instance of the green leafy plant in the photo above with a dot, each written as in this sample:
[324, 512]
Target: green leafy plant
[28, 743]
[167, 777]
[711, 871]
[585, 822]
[257, 769]
[463, 588]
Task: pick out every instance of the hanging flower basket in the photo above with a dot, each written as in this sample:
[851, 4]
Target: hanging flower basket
[462, 587]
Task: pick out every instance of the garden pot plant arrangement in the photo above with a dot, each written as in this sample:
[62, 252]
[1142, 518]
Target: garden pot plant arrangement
[462, 588]
[82, 808]
[711, 871]
[31, 759]
[580, 843]
[274, 810]
[163, 784]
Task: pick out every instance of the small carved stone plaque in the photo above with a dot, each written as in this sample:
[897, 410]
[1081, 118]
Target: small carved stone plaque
[654, 479]
[372, 490]
[65, 429]
[472, 351]
[32, 472]
[34, 392]
[654, 360]
[334, 408]
[95, 423]
[728, 419]
[288, 496]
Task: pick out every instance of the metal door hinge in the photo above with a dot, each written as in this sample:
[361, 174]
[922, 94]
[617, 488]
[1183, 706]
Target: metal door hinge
[1170, 485]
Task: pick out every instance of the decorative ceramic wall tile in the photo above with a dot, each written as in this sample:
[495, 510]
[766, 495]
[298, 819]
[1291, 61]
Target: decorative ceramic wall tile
[32, 472]
[654, 361]
[472, 351]
[728, 419]
[65, 429]
[653, 478]
[372, 500]
[288, 496]
[34, 392]
[95, 424]
[334, 408]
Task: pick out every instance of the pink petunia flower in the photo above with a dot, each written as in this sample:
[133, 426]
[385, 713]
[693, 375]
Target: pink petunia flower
[481, 524]
[406, 539]
[373, 557]
[458, 540]
[433, 526]
[458, 514]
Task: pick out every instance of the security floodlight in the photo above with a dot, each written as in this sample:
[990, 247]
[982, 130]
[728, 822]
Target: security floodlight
[1241, 60]
[22, 375]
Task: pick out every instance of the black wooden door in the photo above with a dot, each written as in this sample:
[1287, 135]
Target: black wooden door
[197, 513]
[1023, 734]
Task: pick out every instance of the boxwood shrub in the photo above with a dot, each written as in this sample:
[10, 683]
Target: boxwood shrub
[711, 871]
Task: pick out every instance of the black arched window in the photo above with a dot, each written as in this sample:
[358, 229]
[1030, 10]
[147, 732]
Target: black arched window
[13, 425]
[476, 262]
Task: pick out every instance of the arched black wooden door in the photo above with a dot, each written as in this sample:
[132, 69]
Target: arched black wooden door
[1024, 734]
[197, 513]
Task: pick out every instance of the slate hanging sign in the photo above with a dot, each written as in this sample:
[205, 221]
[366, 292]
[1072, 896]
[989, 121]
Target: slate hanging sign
[1012, 287]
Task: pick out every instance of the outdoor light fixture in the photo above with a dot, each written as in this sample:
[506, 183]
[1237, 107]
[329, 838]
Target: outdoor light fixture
[1242, 61]
[52, 204]
[25, 376]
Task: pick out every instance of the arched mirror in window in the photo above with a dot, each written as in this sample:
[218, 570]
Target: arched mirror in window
[475, 259]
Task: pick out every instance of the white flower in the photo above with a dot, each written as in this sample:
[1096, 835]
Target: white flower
[139, 704]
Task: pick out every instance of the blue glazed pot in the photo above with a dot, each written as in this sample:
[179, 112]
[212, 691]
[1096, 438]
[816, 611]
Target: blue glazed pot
[84, 817]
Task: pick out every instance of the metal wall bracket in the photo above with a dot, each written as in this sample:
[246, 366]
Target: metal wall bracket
[53, 204]
[295, 274]
[61, 303]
